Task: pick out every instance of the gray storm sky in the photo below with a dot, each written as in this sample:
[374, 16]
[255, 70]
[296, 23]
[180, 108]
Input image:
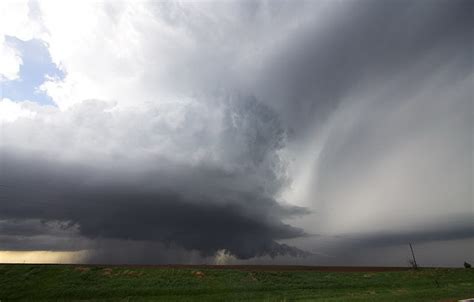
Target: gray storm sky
[309, 132]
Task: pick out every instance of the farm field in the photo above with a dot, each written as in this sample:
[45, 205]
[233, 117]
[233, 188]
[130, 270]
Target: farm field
[26, 282]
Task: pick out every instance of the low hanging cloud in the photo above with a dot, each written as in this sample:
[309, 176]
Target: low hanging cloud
[199, 199]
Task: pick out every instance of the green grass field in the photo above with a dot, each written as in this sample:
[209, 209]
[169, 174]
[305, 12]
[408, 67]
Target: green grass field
[122, 283]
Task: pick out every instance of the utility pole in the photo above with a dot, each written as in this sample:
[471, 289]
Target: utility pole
[414, 259]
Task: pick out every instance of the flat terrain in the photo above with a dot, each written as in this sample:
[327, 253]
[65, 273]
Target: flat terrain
[24, 282]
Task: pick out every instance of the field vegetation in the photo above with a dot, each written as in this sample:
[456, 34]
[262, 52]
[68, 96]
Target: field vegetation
[24, 282]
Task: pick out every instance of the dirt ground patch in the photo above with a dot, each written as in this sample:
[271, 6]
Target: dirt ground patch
[198, 274]
[82, 269]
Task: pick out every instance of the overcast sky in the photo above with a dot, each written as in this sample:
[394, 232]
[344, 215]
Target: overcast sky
[308, 132]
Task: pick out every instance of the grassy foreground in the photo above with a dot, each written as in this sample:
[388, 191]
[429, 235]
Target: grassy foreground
[121, 283]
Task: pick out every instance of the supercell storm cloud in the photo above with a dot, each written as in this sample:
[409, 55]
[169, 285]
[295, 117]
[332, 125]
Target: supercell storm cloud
[284, 131]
